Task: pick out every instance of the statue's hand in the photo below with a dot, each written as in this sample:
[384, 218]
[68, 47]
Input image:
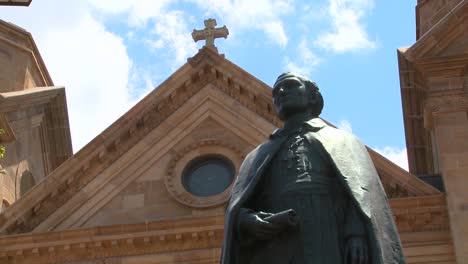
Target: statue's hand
[255, 225]
[356, 250]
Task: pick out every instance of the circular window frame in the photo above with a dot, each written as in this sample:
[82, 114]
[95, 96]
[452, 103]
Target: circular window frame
[174, 182]
[199, 162]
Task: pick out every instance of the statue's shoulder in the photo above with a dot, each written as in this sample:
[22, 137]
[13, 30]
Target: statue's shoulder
[337, 137]
[259, 150]
[245, 169]
[337, 133]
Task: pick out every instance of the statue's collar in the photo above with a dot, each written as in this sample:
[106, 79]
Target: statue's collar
[314, 125]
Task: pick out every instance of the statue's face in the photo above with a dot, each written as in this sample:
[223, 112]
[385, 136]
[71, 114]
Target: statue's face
[290, 96]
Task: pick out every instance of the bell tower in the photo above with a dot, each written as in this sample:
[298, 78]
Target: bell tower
[33, 116]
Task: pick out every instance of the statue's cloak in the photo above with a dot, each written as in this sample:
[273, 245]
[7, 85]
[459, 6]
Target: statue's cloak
[356, 172]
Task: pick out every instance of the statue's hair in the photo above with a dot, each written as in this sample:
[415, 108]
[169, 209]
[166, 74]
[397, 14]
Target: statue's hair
[315, 96]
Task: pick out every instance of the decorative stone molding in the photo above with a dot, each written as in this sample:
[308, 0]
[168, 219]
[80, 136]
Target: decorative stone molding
[181, 159]
[93, 244]
[450, 103]
[394, 190]
[417, 214]
[443, 104]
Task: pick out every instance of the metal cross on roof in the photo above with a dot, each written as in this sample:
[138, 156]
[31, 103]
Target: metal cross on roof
[210, 33]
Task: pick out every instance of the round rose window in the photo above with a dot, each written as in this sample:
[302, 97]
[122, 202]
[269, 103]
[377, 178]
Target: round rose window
[208, 175]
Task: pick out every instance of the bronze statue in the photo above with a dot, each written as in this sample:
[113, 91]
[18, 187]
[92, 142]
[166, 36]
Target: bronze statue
[308, 195]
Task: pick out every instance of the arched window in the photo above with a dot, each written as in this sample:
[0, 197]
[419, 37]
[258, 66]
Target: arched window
[26, 182]
[4, 206]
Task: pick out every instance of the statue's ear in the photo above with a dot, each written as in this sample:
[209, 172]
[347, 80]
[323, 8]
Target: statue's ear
[311, 88]
[314, 97]
[313, 100]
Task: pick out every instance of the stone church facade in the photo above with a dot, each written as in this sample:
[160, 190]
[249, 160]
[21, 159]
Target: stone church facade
[128, 195]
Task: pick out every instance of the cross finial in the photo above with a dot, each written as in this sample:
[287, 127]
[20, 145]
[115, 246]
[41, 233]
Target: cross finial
[210, 33]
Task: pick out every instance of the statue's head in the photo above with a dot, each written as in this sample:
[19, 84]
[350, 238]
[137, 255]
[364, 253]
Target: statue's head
[293, 93]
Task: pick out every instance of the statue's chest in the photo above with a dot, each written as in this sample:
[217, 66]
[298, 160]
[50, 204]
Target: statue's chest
[298, 162]
[300, 177]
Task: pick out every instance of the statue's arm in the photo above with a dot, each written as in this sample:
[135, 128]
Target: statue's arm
[354, 225]
[244, 238]
[252, 226]
[356, 248]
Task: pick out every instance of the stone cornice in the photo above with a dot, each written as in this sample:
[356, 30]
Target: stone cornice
[113, 241]
[413, 214]
[413, 92]
[425, 213]
[14, 101]
[55, 124]
[447, 103]
[443, 66]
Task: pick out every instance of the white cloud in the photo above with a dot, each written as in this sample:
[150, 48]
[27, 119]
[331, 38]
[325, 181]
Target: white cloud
[80, 54]
[94, 66]
[168, 28]
[396, 155]
[173, 34]
[345, 125]
[348, 34]
[306, 62]
[171, 30]
[275, 31]
[141, 83]
[51, 12]
[139, 11]
[262, 15]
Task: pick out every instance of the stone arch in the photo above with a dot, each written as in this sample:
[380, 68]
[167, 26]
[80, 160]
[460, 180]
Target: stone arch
[24, 179]
[5, 204]
[26, 182]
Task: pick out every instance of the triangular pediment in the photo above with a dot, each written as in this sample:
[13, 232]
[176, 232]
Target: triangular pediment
[17, 47]
[144, 184]
[448, 38]
[208, 105]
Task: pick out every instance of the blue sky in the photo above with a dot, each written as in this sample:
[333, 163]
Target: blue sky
[110, 53]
